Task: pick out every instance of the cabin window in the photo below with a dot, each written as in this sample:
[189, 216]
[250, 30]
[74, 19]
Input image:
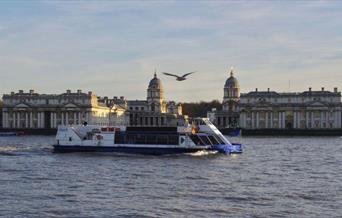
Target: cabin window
[205, 140]
[140, 139]
[196, 140]
[162, 139]
[213, 140]
[219, 139]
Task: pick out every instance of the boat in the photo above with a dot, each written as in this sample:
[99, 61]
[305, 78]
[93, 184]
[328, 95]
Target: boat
[202, 135]
[11, 133]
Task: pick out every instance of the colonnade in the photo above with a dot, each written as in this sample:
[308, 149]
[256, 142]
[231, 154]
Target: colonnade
[297, 119]
[38, 119]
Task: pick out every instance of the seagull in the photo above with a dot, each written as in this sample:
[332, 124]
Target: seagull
[179, 78]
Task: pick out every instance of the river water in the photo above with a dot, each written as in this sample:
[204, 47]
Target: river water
[274, 177]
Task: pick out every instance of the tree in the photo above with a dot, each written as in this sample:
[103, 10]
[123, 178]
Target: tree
[200, 109]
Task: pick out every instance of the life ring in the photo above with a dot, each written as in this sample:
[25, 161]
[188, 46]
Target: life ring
[99, 137]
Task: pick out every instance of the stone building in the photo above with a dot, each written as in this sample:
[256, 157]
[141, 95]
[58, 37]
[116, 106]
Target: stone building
[0, 114]
[37, 111]
[229, 116]
[155, 111]
[33, 110]
[304, 110]
[272, 110]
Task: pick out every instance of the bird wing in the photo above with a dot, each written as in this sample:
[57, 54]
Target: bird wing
[187, 74]
[169, 74]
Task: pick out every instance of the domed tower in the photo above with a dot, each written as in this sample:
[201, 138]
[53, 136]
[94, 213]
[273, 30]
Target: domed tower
[231, 94]
[155, 95]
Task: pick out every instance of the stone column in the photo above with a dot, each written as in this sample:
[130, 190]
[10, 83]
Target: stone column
[55, 120]
[42, 120]
[3, 119]
[336, 119]
[62, 119]
[271, 123]
[294, 120]
[26, 120]
[307, 119]
[31, 120]
[312, 120]
[67, 118]
[321, 119]
[74, 118]
[79, 118]
[18, 120]
[245, 120]
[279, 120]
[253, 120]
[257, 120]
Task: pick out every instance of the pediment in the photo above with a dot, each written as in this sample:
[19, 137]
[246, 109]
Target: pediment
[21, 105]
[317, 104]
[70, 105]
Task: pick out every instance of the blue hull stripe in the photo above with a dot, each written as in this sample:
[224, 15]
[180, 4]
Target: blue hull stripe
[130, 150]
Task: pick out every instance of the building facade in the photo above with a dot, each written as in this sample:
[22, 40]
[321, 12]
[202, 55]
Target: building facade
[272, 110]
[305, 110]
[37, 111]
[229, 116]
[154, 111]
[46, 111]
[0, 114]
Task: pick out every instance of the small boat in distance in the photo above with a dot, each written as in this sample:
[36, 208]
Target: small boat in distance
[202, 135]
[11, 133]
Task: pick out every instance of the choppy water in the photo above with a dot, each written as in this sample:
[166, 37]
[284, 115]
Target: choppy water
[274, 177]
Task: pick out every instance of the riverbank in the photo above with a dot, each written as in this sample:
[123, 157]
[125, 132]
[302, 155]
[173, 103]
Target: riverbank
[245, 132]
[287, 132]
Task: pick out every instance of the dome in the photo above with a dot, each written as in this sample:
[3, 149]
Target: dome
[155, 83]
[231, 82]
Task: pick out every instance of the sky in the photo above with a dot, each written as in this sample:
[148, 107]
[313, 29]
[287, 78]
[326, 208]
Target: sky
[113, 47]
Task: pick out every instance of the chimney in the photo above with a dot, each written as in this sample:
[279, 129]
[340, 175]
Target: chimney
[105, 98]
[256, 89]
[122, 98]
[21, 91]
[335, 90]
[31, 91]
[322, 89]
[310, 89]
[268, 89]
[68, 91]
[79, 91]
[12, 93]
[90, 93]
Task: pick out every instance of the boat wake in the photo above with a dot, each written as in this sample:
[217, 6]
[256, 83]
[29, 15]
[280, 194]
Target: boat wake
[8, 149]
[202, 153]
